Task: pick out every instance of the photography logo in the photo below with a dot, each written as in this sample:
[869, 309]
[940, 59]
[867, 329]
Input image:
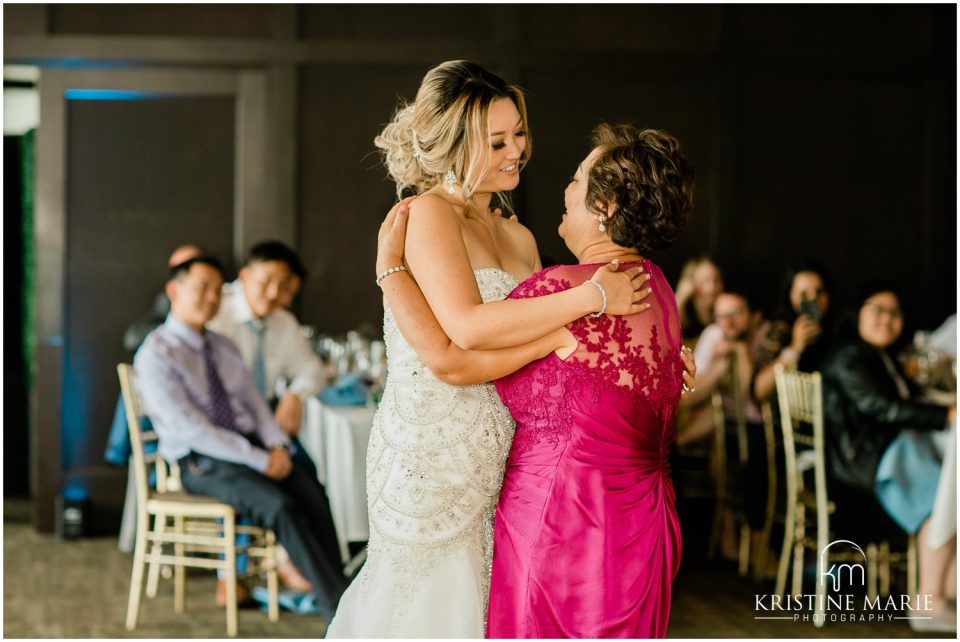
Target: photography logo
[841, 579]
[834, 572]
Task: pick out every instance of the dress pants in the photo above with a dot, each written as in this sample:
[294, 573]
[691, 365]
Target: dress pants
[295, 508]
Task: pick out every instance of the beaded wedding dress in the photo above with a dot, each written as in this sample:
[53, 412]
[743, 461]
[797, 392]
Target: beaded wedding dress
[434, 469]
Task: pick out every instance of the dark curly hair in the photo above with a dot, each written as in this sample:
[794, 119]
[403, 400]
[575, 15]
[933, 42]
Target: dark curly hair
[645, 174]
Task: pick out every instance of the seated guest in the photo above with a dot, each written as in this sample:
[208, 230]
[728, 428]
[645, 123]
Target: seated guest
[700, 283]
[737, 330]
[117, 451]
[285, 367]
[801, 332]
[143, 326]
[118, 442]
[881, 440]
[278, 356]
[733, 338]
[212, 422]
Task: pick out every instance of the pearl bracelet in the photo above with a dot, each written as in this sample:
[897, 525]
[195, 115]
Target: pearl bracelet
[603, 297]
[388, 272]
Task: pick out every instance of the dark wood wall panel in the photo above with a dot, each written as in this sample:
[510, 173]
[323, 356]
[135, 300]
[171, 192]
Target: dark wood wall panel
[143, 177]
[818, 32]
[664, 28]
[828, 171]
[565, 105]
[397, 21]
[225, 20]
[344, 189]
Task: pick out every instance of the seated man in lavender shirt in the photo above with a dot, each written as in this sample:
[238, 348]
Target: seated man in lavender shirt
[211, 420]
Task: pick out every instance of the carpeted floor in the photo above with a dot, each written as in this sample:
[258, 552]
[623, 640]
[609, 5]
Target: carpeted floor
[78, 589]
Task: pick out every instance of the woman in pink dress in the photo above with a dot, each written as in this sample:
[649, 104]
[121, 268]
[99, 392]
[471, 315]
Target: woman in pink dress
[587, 540]
[586, 537]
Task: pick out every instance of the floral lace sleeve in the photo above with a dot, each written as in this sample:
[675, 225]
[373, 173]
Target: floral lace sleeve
[636, 355]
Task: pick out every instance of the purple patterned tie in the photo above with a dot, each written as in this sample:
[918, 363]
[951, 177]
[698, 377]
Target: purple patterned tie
[221, 413]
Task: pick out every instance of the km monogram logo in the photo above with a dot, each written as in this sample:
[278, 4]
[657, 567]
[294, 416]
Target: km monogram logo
[836, 571]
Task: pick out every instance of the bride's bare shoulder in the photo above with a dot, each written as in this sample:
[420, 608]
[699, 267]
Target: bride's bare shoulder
[433, 217]
[430, 205]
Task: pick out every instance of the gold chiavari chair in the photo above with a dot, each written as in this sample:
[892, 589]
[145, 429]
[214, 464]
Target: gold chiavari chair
[178, 529]
[800, 397]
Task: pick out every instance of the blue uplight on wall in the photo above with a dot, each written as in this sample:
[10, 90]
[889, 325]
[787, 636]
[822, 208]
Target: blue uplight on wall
[76, 400]
[109, 94]
[74, 492]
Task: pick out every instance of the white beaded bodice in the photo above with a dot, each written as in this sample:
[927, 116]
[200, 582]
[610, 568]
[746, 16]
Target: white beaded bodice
[434, 465]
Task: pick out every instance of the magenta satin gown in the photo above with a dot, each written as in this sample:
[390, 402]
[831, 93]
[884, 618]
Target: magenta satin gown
[586, 539]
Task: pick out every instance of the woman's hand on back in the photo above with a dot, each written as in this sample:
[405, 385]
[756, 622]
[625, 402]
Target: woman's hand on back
[625, 290]
[392, 235]
[689, 372]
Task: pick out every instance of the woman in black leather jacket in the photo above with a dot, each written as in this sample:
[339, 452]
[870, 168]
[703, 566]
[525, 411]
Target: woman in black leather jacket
[875, 423]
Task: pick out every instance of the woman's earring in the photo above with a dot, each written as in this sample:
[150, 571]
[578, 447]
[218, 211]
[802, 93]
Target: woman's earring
[450, 180]
[602, 227]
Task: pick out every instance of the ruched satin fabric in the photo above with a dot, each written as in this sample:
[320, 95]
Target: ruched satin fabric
[586, 539]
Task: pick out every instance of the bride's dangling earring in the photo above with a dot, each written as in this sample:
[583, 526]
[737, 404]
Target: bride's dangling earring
[602, 227]
[450, 180]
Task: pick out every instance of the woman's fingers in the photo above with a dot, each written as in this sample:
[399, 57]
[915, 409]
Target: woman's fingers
[402, 206]
[392, 235]
[625, 290]
[641, 294]
[638, 278]
[689, 373]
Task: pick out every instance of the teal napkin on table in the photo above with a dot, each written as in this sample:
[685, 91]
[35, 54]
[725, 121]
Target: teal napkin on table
[348, 390]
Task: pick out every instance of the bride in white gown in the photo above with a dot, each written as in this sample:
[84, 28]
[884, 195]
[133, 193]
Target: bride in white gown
[434, 468]
[437, 451]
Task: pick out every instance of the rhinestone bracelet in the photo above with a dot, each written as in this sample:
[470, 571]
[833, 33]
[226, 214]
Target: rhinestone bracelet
[388, 272]
[603, 297]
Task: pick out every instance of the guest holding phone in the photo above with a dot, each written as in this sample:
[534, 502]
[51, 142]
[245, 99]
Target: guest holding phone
[800, 333]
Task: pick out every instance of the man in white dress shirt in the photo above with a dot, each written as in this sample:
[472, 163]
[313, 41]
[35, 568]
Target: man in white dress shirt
[284, 365]
[285, 368]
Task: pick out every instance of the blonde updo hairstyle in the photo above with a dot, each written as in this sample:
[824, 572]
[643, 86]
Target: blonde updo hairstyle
[447, 127]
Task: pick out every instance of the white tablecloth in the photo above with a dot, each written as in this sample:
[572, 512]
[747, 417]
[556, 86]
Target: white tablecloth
[336, 439]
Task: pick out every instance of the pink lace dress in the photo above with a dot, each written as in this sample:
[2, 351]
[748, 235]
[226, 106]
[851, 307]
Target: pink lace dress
[586, 539]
